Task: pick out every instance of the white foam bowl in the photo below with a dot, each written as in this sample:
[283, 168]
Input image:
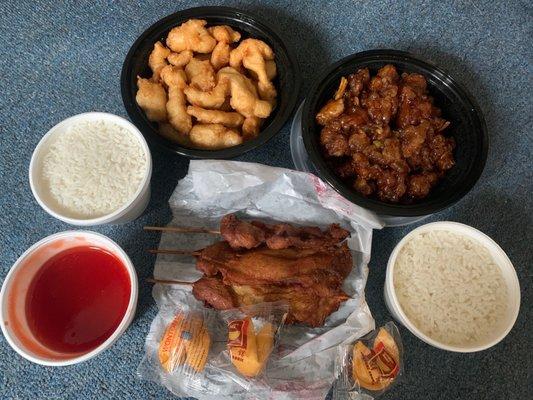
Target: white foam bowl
[501, 260]
[13, 296]
[127, 212]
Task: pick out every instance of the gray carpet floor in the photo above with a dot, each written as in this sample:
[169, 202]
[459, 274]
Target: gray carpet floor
[60, 58]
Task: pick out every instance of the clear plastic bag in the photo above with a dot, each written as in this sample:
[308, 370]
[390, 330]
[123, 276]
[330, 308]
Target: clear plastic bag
[370, 365]
[187, 347]
[212, 189]
[252, 338]
[183, 337]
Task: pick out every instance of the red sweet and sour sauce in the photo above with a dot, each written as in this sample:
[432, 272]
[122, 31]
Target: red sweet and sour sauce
[77, 299]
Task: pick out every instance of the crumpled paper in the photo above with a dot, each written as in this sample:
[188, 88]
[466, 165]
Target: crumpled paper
[213, 189]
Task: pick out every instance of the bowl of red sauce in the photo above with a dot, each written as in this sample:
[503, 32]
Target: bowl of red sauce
[69, 297]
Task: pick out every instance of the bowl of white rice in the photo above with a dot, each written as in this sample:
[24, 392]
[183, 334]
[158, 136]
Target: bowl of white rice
[90, 169]
[453, 287]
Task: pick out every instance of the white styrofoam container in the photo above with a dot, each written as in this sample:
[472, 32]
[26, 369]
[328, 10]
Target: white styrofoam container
[129, 211]
[13, 296]
[501, 260]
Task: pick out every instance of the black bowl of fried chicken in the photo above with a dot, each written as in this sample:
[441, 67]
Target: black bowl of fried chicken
[394, 134]
[209, 82]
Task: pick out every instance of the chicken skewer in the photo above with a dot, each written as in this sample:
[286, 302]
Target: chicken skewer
[258, 262]
[251, 234]
[305, 306]
[309, 280]
[266, 266]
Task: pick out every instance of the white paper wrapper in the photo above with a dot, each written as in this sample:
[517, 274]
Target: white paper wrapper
[213, 189]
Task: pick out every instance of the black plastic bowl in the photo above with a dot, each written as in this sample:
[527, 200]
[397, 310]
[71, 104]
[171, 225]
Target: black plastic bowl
[287, 82]
[467, 127]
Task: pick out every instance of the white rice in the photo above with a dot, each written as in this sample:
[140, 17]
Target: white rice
[92, 169]
[450, 288]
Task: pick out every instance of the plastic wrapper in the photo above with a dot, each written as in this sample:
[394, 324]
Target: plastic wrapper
[253, 338]
[203, 352]
[183, 337]
[212, 189]
[369, 366]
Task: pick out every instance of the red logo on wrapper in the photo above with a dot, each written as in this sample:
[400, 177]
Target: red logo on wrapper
[237, 333]
[383, 360]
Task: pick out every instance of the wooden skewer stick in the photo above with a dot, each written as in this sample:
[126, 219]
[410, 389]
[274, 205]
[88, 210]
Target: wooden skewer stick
[168, 251]
[168, 281]
[183, 229]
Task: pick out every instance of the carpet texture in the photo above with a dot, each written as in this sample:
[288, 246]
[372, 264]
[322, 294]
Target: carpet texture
[60, 58]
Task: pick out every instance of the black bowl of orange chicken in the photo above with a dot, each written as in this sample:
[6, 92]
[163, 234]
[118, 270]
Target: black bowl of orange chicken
[394, 134]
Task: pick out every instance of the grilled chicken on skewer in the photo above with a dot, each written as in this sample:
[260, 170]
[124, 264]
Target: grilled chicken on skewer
[258, 262]
[251, 234]
[281, 267]
[305, 306]
[248, 235]
[265, 266]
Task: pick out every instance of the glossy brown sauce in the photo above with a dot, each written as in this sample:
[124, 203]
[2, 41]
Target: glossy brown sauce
[384, 136]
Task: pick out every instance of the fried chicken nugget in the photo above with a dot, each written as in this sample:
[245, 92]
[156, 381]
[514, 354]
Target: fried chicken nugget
[173, 76]
[214, 136]
[152, 98]
[250, 127]
[168, 132]
[220, 55]
[212, 99]
[271, 69]
[224, 33]
[158, 59]
[244, 98]
[253, 54]
[180, 59]
[175, 80]
[191, 35]
[200, 74]
[229, 119]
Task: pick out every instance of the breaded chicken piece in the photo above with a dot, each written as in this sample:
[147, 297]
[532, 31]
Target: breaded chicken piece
[200, 74]
[152, 98]
[244, 98]
[212, 99]
[175, 80]
[174, 76]
[191, 35]
[220, 55]
[168, 132]
[271, 70]
[229, 119]
[224, 33]
[158, 59]
[253, 54]
[270, 94]
[334, 107]
[250, 127]
[214, 136]
[180, 59]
